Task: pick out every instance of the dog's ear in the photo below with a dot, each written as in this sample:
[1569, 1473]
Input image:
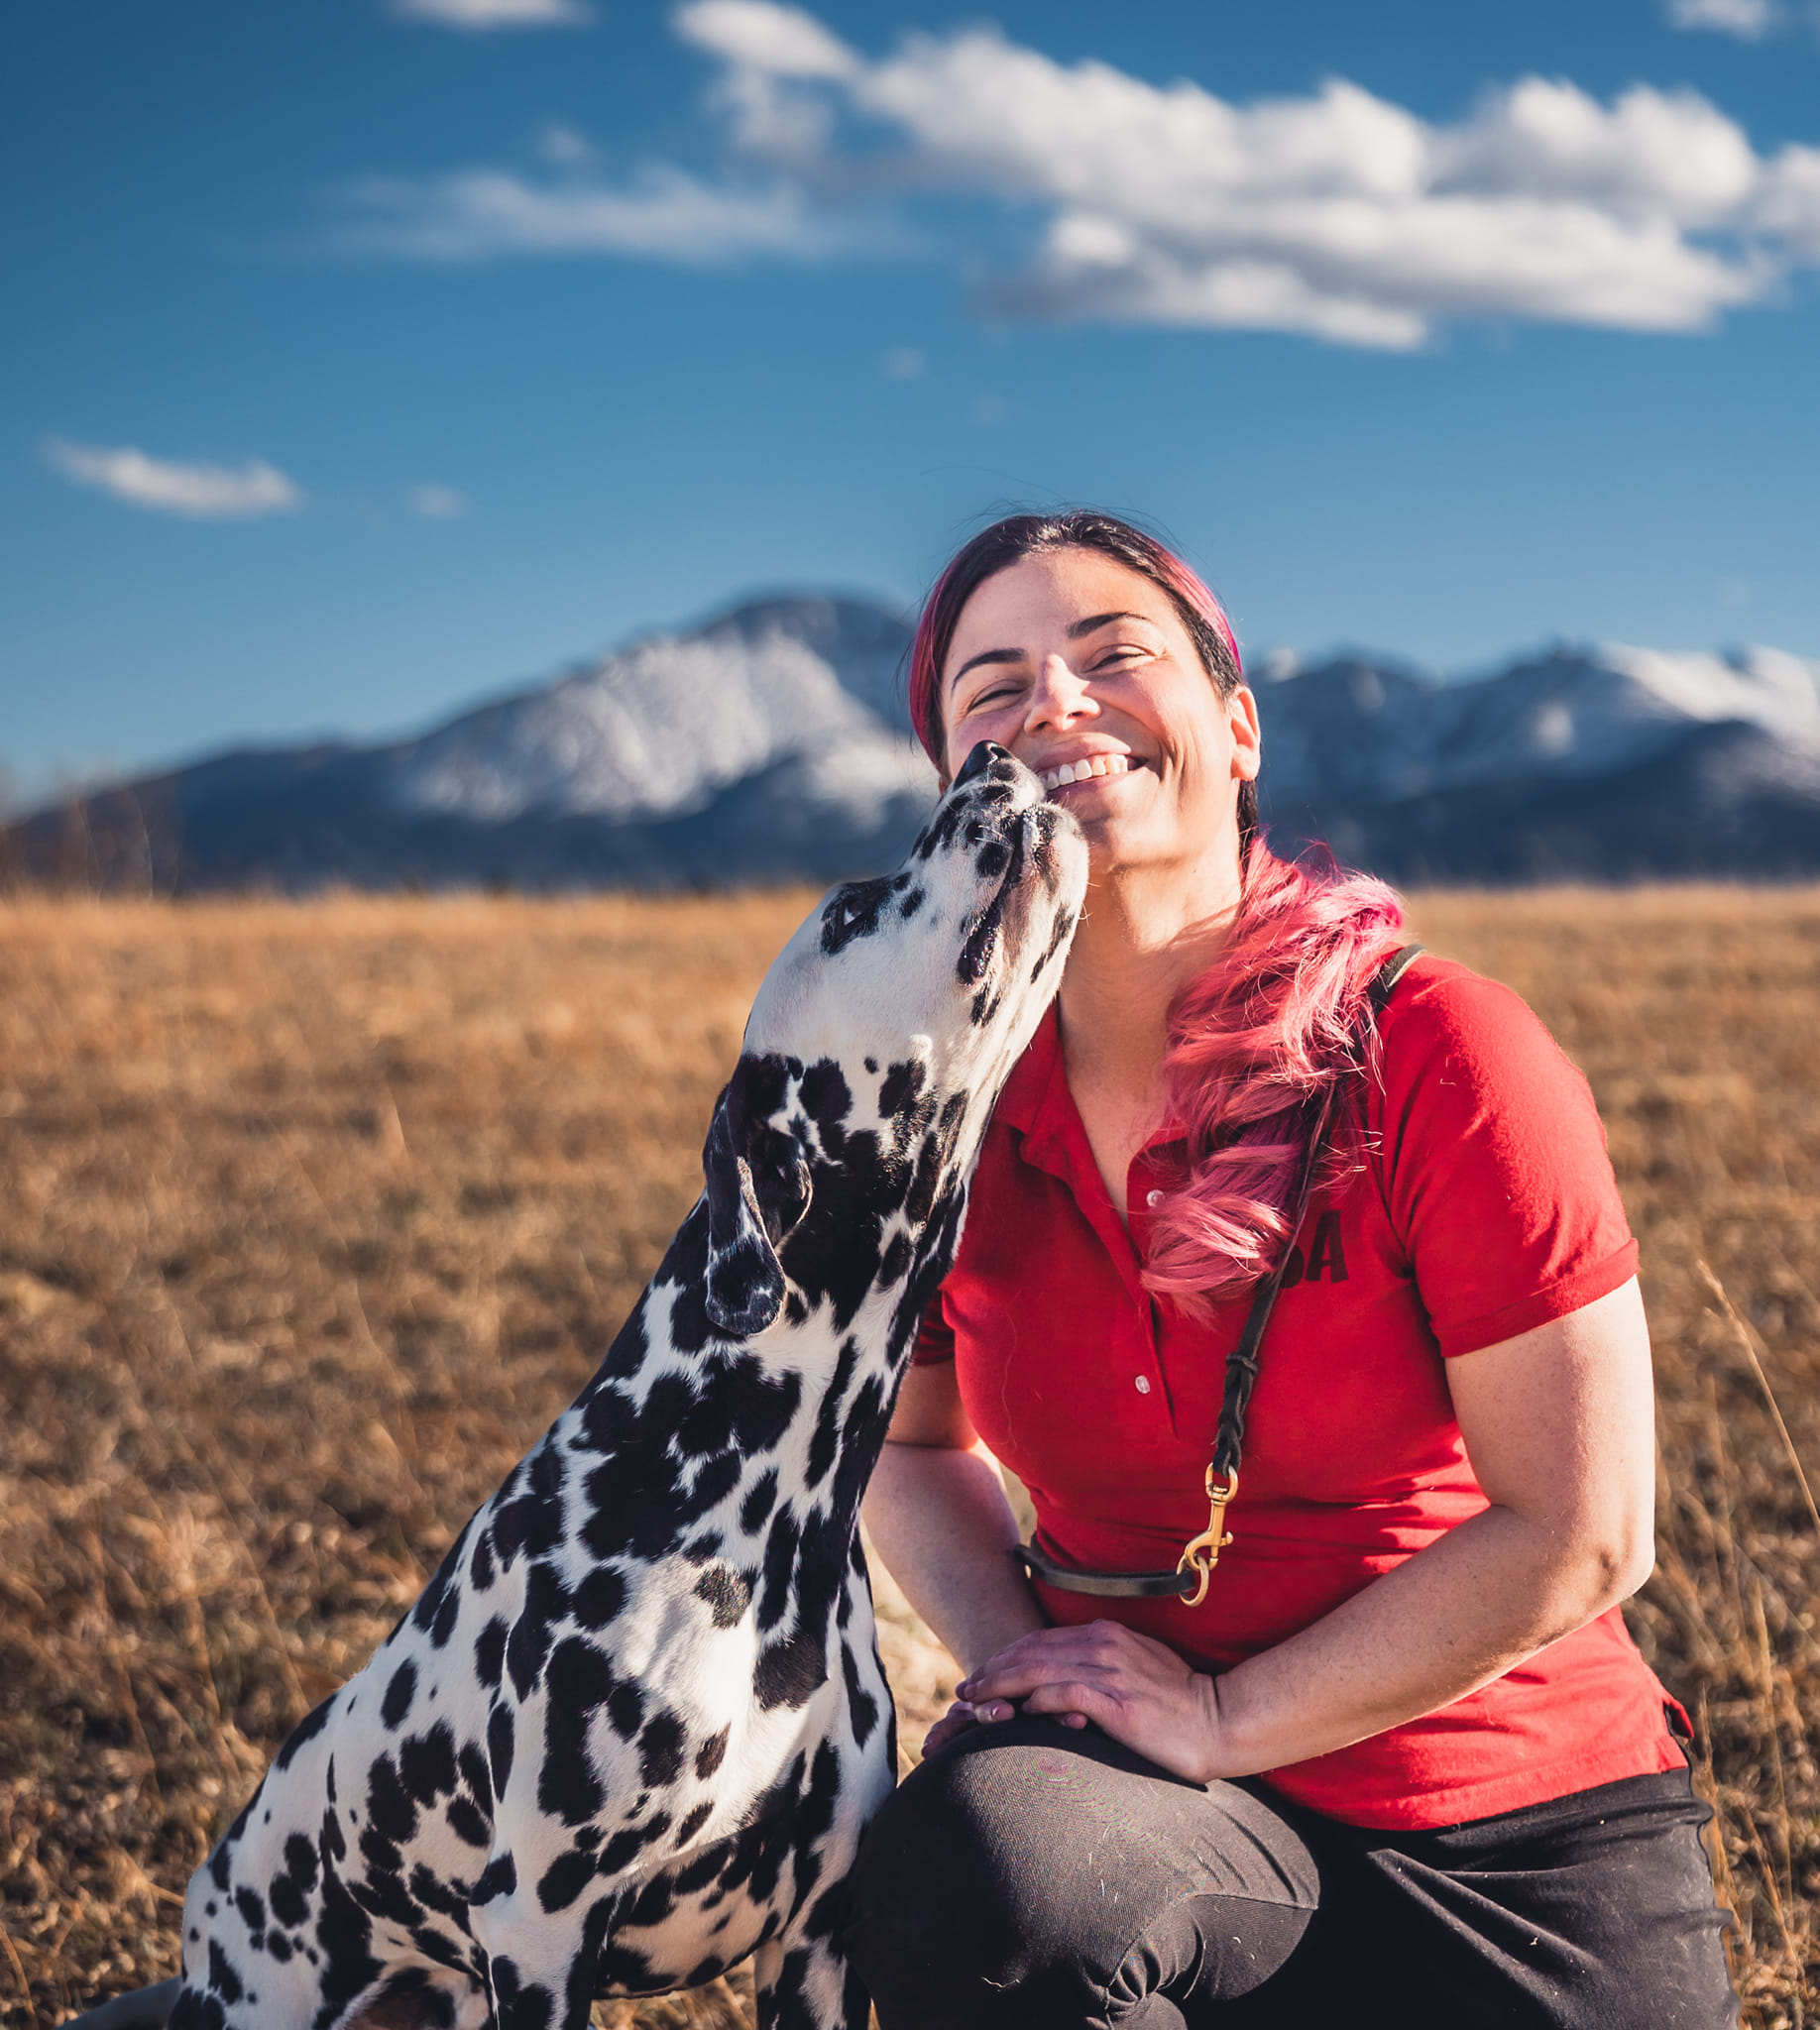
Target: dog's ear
[758, 1192]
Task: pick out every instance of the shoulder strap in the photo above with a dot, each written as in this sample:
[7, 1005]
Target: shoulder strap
[1242, 1361]
[1188, 1580]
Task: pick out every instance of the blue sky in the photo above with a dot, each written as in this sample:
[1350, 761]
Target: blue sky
[366, 356]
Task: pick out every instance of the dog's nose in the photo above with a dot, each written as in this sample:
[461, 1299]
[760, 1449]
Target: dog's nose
[982, 761]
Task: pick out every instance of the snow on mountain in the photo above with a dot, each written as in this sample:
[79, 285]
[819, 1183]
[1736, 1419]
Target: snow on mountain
[1373, 728]
[658, 729]
[1766, 687]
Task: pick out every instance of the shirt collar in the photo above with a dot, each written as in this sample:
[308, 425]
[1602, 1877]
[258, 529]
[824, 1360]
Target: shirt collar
[1036, 1103]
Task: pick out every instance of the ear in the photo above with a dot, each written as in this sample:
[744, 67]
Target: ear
[758, 1192]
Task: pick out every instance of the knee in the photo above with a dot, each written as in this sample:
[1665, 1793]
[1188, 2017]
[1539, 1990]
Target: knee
[961, 1916]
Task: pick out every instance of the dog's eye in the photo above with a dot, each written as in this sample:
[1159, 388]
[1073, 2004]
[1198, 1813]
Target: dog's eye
[852, 913]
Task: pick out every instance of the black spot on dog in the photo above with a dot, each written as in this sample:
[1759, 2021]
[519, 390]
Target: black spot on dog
[220, 1862]
[526, 1527]
[579, 1681]
[826, 1434]
[760, 1497]
[564, 1879]
[476, 1774]
[727, 1594]
[790, 1672]
[305, 1730]
[546, 1600]
[711, 1753]
[490, 1653]
[626, 1709]
[500, 1746]
[763, 1407]
[251, 1908]
[660, 1751]
[468, 1823]
[522, 2005]
[399, 1694]
[598, 1598]
[691, 1826]
[223, 1981]
[448, 1612]
[499, 1877]
[896, 1261]
[903, 1084]
[427, 1764]
[860, 1702]
[779, 1568]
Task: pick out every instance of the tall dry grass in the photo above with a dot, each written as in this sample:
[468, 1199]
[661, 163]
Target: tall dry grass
[311, 1217]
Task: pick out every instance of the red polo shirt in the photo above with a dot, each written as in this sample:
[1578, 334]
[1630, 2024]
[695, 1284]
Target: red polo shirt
[1489, 1208]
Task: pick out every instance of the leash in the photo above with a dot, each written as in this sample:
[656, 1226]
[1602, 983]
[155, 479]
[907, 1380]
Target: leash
[1189, 1578]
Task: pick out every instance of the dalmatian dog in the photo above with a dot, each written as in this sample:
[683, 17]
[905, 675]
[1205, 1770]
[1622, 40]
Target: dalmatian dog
[634, 1726]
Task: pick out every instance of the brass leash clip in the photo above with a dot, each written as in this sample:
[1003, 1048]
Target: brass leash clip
[1201, 1553]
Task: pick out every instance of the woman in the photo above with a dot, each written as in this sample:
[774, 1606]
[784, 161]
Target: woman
[1402, 1763]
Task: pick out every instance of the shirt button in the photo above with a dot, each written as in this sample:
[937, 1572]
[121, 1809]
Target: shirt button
[1153, 1197]
[1143, 1385]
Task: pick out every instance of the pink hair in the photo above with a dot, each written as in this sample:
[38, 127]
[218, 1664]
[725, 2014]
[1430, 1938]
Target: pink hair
[1280, 1025]
[1276, 1028]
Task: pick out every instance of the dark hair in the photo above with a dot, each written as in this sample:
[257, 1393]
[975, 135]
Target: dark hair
[1018, 536]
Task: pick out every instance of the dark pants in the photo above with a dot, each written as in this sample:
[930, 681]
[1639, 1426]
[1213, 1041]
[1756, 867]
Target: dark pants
[1030, 1878]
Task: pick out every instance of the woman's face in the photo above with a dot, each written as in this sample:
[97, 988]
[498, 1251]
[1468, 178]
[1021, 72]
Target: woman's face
[1084, 670]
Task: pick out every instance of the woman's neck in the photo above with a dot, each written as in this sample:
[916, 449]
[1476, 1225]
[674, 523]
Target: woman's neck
[1141, 940]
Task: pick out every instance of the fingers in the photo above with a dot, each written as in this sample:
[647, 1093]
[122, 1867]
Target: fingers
[954, 1723]
[1102, 1654]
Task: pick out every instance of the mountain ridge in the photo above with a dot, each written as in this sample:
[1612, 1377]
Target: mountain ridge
[770, 742]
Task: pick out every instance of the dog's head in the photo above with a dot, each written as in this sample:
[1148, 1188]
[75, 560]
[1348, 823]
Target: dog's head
[877, 1047]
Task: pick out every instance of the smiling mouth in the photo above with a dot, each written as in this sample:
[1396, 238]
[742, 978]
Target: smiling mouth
[1091, 769]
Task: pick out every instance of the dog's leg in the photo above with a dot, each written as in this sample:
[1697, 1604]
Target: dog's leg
[806, 1983]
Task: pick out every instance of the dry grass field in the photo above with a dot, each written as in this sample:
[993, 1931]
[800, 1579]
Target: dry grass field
[311, 1217]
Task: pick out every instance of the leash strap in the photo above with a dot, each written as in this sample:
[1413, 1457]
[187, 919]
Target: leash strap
[1189, 1579]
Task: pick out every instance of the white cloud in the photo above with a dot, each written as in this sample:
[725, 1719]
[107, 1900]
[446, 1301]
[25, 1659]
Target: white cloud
[567, 147]
[1748, 19]
[1337, 214]
[664, 215]
[781, 41]
[204, 493]
[1787, 205]
[477, 16]
[438, 504]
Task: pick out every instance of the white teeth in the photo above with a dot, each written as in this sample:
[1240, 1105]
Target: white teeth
[1078, 771]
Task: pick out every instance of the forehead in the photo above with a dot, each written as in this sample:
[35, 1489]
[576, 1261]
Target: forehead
[1031, 604]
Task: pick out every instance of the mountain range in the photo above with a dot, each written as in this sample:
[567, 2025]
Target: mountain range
[772, 743]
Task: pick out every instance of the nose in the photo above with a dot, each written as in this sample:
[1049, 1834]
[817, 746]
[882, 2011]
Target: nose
[984, 760]
[1059, 697]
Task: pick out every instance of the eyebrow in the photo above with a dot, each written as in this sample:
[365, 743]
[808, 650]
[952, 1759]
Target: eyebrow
[1074, 633]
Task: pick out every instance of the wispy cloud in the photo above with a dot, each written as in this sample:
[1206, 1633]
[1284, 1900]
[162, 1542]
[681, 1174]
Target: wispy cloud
[664, 214]
[478, 17]
[1339, 214]
[1748, 19]
[203, 493]
[567, 147]
[438, 504]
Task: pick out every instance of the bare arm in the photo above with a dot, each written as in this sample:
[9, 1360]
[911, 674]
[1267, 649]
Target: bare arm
[1558, 1423]
[938, 1515]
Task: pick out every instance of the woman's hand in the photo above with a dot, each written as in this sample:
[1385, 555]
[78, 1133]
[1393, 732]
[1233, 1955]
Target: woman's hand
[1135, 1689]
